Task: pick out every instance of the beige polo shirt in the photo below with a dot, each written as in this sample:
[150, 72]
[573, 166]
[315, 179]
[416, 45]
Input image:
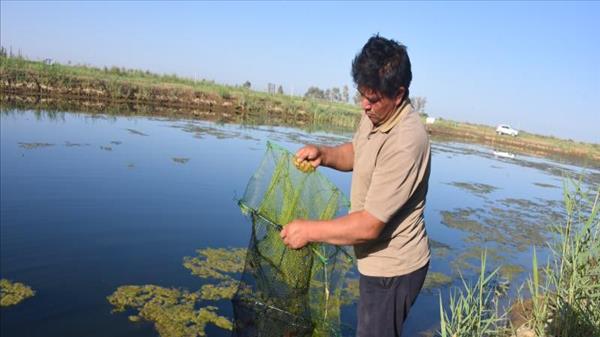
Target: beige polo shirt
[390, 180]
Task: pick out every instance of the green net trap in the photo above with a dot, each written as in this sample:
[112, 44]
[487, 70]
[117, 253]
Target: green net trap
[287, 292]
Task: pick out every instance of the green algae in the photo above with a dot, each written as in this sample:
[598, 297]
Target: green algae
[350, 292]
[201, 131]
[475, 188]
[180, 160]
[136, 132]
[460, 219]
[12, 293]
[545, 185]
[435, 280]
[221, 291]
[439, 249]
[499, 222]
[134, 318]
[71, 144]
[510, 271]
[470, 259]
[172, 310]
[32, 146]
[176, 312]
[522, 203]
[181, 312]
[215, 263]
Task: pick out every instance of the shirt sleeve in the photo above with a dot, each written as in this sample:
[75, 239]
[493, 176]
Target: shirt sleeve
[397, 174]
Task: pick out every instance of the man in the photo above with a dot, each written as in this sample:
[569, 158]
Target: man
[389, 157]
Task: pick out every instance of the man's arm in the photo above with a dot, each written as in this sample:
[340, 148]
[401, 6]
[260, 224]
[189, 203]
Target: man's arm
[354, 228]
[339, 157]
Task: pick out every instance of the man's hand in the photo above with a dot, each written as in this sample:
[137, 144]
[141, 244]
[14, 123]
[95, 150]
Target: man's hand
[310, 153]
[295, 234]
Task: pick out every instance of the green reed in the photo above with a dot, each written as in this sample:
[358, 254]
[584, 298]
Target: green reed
[566, 301]
[564, 294]
[473, 310]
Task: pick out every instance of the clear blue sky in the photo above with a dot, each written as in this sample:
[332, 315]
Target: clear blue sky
[533, 65]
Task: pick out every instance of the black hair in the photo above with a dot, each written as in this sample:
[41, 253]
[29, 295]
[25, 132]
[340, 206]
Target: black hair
[382, 65]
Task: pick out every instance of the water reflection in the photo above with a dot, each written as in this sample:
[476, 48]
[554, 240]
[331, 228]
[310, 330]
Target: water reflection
[504, 154]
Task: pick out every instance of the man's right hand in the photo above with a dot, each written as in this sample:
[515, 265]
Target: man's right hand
[310, 153]
[339, 157]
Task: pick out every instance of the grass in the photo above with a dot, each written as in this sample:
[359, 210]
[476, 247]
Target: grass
[528, 142]
[118, 84]
[564, 295]
[474, 309]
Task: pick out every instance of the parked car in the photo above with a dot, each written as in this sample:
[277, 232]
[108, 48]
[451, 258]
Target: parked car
[504, 129]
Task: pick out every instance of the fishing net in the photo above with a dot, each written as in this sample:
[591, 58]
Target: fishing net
[286, 292]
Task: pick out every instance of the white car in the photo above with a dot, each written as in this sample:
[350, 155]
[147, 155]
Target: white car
[504, 129]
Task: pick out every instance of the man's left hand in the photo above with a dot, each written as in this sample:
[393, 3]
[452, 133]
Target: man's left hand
[295, 234]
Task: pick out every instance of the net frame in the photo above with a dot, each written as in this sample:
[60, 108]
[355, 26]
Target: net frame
[317, 309]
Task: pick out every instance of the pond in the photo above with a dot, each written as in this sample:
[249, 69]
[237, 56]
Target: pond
[90, 203]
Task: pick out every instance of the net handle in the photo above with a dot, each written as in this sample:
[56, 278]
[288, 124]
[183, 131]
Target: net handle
[254, 213]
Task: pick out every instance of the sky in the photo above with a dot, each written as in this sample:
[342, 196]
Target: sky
[533, 65]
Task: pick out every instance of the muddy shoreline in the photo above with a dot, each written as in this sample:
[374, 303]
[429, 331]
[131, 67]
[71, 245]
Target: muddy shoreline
[229, 113]
[222, 113]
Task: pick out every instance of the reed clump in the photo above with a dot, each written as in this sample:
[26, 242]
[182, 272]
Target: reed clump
[563, 295]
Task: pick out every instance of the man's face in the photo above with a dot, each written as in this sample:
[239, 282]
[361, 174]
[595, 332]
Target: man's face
[377, 106]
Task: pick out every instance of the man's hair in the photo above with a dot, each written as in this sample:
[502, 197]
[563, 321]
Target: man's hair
[383, 66]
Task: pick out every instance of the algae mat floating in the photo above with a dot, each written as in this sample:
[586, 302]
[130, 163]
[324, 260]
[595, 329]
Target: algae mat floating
[12, 293]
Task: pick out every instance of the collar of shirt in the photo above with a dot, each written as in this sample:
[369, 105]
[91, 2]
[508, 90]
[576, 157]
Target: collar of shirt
[394, 119]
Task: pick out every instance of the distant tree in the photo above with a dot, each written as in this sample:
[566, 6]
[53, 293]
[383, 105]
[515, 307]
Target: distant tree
[247, 85]
[336, 95]
[357, 98]
[271, 88]
[419, 104]
[345, 94]
[328, 94]
[280, 90]
[314, 92]
[2, 52]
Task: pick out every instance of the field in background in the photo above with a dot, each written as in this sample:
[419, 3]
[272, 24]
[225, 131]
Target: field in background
[57, 87]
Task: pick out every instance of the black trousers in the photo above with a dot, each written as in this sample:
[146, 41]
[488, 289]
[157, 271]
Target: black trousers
[385, 302]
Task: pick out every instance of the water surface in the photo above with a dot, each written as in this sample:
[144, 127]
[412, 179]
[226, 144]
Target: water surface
[93, 202]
